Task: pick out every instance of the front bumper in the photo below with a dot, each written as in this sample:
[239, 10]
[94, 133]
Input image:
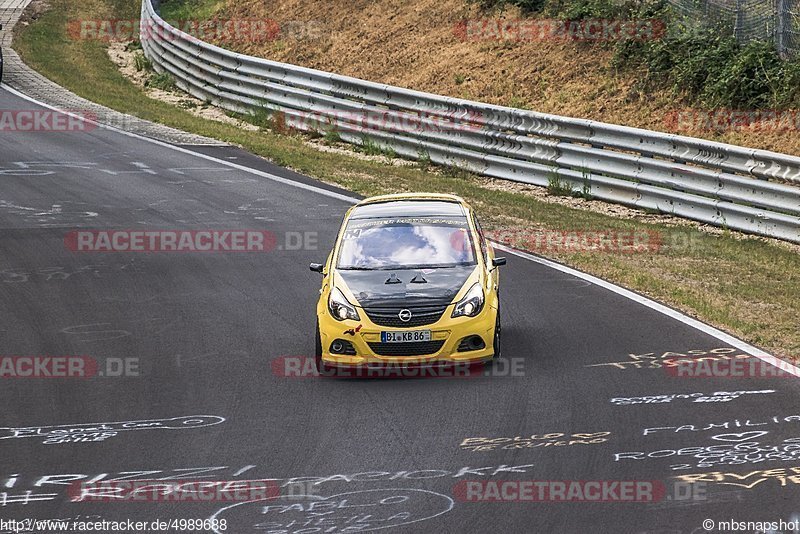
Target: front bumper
[446, 335]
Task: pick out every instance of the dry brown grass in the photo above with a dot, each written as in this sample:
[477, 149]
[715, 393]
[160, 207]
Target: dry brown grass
[413, 43]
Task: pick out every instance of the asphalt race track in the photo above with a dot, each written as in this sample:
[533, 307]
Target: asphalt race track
[208, 344]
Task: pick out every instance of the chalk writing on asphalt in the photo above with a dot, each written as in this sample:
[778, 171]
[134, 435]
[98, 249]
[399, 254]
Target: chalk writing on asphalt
[91, 432]
[533, 441]
[657, 360]
[731, 450]
[717, 396]
[725, 425]
[782, 476]
[22, 489]
[355, 511]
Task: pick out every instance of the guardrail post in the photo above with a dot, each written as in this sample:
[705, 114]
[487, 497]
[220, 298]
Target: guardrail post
[738, 28]
[783, 25]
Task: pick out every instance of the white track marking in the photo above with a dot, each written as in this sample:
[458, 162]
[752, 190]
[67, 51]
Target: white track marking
[257, 172]
[644, 301]
[661, 308]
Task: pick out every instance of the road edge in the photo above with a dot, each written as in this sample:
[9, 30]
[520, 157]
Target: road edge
[619, 290]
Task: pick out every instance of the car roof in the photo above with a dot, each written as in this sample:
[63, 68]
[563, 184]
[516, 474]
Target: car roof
[408, 208]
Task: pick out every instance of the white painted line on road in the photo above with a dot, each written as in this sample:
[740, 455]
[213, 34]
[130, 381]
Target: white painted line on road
[631, 295]
[257, 172]
[661, 308]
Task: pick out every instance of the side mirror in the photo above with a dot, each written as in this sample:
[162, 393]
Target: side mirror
[497, 262]
[316, 267]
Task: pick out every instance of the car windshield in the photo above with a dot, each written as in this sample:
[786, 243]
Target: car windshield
[406, 243]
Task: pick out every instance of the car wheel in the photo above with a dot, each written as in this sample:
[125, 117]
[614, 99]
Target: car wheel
[497, 330]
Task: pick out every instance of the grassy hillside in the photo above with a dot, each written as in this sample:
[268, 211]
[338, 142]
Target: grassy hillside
[421, 44]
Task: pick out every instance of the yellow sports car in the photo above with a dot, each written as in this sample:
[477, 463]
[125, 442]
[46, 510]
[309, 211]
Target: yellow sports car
[411, 281]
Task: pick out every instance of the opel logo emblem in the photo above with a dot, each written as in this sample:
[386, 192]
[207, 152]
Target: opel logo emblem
[404, 315]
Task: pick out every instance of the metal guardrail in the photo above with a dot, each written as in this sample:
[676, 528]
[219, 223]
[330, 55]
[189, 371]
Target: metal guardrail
[724, 185]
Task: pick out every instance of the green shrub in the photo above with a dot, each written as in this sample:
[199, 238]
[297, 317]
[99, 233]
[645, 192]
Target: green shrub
[710, 69]
[756, 77]
[424, 160]
[577, 9]
[161, 80]
[527, 6]
[263, 116]
[558, 187]
[140, 62]
[371, 148]
[584, 9]
[332, 136]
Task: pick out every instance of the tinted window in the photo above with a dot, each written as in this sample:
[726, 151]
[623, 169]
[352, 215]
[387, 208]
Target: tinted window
[481, 237]
[406, 242]
[408, 208]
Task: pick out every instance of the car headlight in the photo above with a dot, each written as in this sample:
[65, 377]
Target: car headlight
[472, 303]
[340, 308]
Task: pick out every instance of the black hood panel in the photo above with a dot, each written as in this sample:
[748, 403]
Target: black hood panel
[371, 289]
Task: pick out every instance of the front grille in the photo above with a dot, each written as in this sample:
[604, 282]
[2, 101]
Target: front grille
[419, 348]
[420, 315]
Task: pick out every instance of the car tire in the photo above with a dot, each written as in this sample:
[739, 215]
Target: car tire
[318, 349]
[497, 341]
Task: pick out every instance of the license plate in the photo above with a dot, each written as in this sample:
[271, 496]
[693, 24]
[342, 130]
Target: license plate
[409, 336]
